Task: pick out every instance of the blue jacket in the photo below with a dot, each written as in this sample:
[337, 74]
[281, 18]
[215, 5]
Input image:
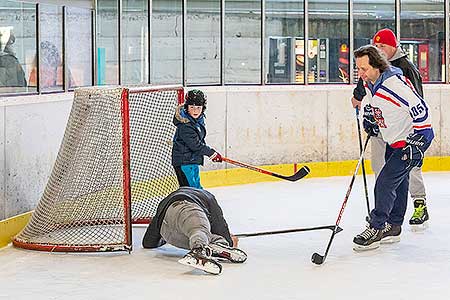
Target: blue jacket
[189, 144]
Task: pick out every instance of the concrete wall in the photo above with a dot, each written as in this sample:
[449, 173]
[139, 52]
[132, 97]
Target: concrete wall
[260, 125]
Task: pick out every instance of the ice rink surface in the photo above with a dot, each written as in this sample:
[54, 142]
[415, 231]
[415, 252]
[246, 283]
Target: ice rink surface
[278, 266]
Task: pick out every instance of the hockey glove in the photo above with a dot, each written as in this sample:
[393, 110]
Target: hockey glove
[369, 123]
[216, 157]
[413, 152]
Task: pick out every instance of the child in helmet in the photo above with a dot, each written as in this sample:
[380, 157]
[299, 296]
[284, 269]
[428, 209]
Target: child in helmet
[189, 144]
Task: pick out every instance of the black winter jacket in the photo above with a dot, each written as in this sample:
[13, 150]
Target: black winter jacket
[203, 198]
[189, 144]
[410, 71]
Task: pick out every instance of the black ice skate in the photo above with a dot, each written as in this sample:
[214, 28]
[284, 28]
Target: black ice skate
[231, 254]
[200, 258]
[391, 234]
[368, 239]
[419, 219]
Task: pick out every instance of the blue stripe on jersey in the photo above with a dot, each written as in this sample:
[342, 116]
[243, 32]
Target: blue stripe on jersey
[413, 89]
[395, 95]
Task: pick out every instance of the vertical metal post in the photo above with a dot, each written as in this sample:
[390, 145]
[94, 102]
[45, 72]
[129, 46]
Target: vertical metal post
[38, 48]
[119, 40]
[94, 47]
[222, 42]
[149, 39]
[64, 51]
[263, 40]
[351, 41]
[306, 41]
[397, 19]
[447, 40]
[184, 46]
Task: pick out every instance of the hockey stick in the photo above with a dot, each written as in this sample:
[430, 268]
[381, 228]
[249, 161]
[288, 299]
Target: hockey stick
[331, 227]
[363, 167]
[316, 257]
[298, 175]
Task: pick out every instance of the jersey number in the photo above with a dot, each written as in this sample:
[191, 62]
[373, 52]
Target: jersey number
[417, 110]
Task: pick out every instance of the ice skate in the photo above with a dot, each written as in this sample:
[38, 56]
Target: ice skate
[420, 217]
[391, 234]
[200, 258]
[368, 239]
[231, 254]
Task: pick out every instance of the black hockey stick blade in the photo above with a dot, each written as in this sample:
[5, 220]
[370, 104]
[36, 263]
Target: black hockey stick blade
[297, 176]
[330, 227]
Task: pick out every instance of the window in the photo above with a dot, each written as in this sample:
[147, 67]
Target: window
[79, 47]
[368, 18]
[50, 49]
[203, 42]
[242, 42]
[167, 44]
[134, 43]
[328, 42]
[107, 43]
[284, 41]
[422, 37]
[17, 46]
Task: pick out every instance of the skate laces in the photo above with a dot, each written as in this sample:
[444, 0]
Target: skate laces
[368, 233]
[204, 251]
[419, 211]
[387, 228]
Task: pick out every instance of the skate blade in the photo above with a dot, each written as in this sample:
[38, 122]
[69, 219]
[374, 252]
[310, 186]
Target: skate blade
[419, 227]
[359, 248]
[390, 239]
[207, 267]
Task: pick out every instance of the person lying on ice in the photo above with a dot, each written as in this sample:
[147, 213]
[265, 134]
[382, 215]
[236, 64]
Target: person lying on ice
[190, 218]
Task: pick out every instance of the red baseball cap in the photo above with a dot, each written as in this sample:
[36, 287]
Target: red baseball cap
[385, 36]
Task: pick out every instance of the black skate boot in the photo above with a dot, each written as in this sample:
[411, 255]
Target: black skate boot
[200, 258]
[419, 219]
[368, 239]
[231, 254]
[391, 234]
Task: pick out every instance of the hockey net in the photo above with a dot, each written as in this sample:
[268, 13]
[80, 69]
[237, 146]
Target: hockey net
[112, 170]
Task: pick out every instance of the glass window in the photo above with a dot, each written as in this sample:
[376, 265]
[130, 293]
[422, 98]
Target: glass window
[328, 42]
[79, 47]
[284, 41]
[107, 42]
[368, 19]
[17, 46]
[50, 51]
[203, 42]
[166, 45]
[422, 37]
[242, 42]
[134, 42]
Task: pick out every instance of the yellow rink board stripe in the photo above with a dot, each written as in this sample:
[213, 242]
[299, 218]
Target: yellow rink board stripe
[10, 227]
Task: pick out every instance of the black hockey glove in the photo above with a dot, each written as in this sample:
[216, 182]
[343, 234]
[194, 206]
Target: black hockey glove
[369, 123]
[413, 152]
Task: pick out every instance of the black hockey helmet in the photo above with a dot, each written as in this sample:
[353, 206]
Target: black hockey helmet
[195, 97]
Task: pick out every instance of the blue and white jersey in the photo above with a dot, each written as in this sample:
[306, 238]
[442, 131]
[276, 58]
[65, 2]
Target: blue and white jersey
[398, 109]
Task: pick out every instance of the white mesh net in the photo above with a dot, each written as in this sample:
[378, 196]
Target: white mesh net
[86, 203]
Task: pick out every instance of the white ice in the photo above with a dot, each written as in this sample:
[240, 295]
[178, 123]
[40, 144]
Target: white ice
[278, 266]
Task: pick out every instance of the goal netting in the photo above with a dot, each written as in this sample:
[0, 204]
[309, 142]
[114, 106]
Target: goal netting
[112, 170]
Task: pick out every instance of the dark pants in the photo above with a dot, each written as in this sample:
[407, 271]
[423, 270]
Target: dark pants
[391, 190]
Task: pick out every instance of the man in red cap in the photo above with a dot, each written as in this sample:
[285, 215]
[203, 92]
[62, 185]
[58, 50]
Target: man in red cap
[386, 41]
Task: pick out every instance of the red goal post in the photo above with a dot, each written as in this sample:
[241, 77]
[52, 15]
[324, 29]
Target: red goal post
[112, 169]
